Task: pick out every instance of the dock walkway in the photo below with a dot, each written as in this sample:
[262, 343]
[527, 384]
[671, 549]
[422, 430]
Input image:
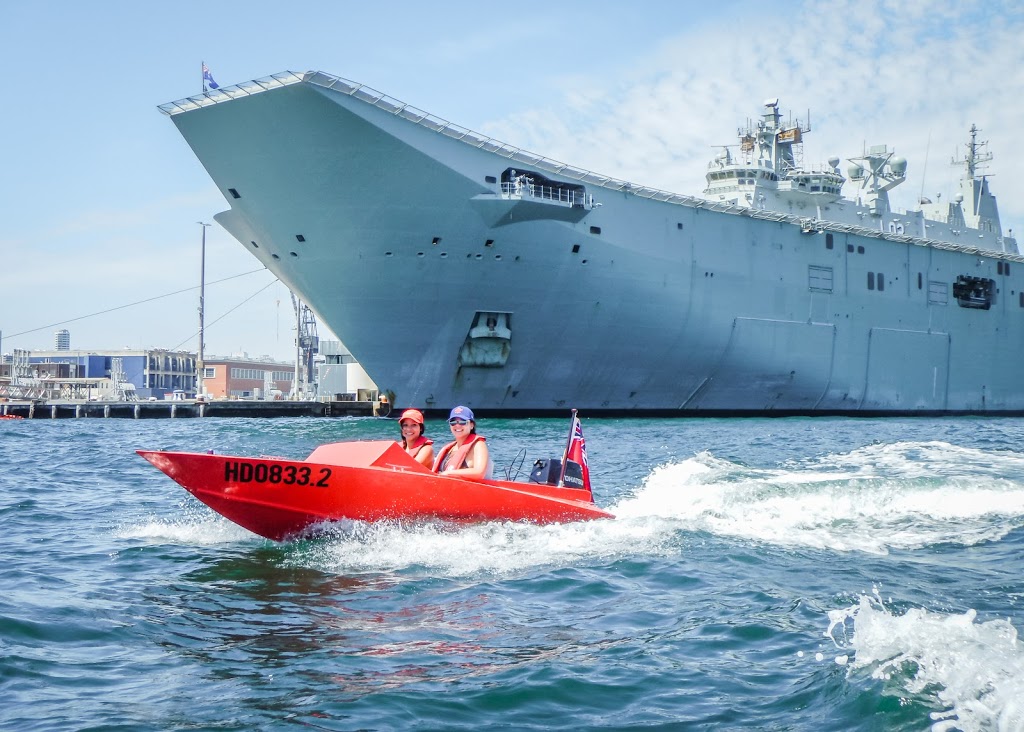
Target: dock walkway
[185, 409]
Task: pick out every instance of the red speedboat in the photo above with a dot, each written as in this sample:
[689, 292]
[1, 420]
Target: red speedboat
[280, 498]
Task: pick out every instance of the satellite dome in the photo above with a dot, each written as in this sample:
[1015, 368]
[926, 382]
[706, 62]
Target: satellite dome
[855, 171]
[833, 162]
[898, 166]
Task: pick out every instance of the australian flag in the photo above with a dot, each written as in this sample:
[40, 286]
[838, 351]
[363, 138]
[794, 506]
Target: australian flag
[208, 78]
[578, 451]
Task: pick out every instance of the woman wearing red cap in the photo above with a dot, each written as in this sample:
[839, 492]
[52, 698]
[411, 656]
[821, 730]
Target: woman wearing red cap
[419, 447]
[468, 456]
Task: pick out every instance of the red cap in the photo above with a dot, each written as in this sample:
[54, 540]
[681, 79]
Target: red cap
[413, 414]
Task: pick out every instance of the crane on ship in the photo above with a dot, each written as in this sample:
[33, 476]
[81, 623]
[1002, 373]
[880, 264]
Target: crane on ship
[307, 345]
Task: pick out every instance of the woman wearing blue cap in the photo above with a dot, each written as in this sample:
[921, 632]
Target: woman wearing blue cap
[467, 456]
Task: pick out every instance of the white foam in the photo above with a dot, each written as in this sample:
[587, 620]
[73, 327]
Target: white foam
[873, 499]
[496, 548]
[975, 671]
[202, 529]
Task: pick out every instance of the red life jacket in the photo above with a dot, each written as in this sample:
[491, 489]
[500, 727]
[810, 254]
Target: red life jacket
[418, 443]
[458, 459]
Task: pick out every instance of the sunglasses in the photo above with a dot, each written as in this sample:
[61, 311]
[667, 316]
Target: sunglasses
[458, 421]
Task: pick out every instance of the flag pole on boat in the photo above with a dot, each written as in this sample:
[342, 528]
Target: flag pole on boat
[565, 453]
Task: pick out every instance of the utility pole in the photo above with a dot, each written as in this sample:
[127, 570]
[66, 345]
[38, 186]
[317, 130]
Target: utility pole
[298, 346]
[202, 322]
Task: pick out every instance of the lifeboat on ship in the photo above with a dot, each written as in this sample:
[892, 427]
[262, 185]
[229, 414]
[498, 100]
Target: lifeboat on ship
[279, 498]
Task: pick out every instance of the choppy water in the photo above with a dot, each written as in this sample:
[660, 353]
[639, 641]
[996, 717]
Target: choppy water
[801, 574]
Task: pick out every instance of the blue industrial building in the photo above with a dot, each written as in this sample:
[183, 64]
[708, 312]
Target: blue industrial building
[154, 372]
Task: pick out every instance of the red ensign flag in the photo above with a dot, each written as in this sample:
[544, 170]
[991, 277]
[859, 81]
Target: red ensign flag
[578, 451]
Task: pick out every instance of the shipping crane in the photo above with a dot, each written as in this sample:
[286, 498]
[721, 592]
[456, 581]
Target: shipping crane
[307, 345]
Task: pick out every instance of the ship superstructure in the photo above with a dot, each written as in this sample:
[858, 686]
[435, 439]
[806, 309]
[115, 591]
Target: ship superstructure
[459, 269]
[767, 173]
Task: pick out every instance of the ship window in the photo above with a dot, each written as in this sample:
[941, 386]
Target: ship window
[435, 241]
[881, 281]
[679, 226]
[575, 248]
[489, 243]
[871, 280]
[1006, 268]
[1022, 299]
[275, 256]
[595, 229]
[919, 278]
[849, 247]
[388, 254]
[254, 245]
[491, 179]
[234, 193]
[293, 254]
[444, 255]
[860, 250]
[300, 237]
[419, 254]
[583, 261]
[999, 267]
[828, 241]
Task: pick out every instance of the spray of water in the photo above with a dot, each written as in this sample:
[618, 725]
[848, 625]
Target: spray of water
[974, 672]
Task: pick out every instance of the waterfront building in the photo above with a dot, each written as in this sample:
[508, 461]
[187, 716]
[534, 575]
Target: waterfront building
[152, 372]
[62, 340]
[340, 377]
[242, 377]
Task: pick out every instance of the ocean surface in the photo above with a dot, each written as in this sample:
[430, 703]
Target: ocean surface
[768, 574]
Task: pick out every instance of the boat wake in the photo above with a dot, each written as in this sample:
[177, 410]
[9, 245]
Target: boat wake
[494, 548]
[873, 499]
[198, 525]
[973, 672]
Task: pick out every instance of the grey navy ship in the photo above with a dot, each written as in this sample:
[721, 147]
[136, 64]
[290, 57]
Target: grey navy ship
[458, 269]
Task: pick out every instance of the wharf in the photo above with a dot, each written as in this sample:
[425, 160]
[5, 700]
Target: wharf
[188, 408]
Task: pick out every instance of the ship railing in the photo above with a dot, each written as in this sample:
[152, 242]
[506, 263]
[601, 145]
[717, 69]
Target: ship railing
[554, 194]
[228, 93]
[449, 129]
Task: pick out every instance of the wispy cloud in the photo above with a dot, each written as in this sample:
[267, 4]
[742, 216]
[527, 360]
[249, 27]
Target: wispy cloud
[877, 72]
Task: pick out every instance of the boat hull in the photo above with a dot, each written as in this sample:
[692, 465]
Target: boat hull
[279, 498]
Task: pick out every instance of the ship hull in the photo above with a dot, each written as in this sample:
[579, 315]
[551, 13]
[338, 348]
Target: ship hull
[401, 239]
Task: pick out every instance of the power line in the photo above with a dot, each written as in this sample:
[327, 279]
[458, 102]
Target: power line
[133, 304]
[227, 313]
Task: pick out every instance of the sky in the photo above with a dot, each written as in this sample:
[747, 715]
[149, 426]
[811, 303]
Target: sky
[100, 197]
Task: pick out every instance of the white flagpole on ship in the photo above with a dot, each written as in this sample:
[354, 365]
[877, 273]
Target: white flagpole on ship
[565, 453]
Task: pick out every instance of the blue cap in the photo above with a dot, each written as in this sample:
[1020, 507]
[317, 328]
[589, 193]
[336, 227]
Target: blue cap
[462, 413]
